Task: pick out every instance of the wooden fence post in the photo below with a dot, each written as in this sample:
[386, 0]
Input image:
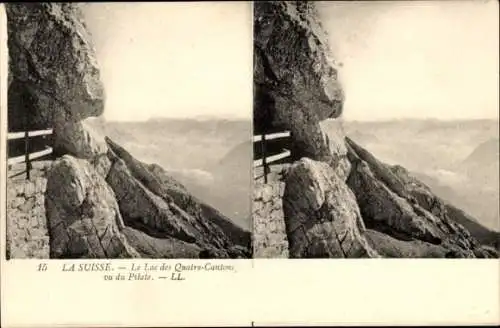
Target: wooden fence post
[26, 147]
[264, 162]
[27, 154]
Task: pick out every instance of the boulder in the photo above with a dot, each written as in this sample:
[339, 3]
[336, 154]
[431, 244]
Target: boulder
[321, 215]
[83, 217]
[80, 140]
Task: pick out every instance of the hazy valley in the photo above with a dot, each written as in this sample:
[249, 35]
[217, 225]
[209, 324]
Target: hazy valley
[458, 160]
[211, 157]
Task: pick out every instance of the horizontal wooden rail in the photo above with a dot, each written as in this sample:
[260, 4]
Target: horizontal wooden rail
[273, 158]
[19, 135]
[269, 143]
[272, 136]
[32, 156]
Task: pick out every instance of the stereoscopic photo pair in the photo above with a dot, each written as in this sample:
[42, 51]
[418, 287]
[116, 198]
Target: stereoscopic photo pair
[238, 130]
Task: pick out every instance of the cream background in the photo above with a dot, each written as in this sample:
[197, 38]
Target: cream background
[264, 291]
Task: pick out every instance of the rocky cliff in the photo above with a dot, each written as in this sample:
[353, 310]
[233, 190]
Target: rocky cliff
[338, 199]
[295, 79]
[99, 202]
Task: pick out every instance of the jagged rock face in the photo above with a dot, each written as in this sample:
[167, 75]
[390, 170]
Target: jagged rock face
[83, 217]
[399, 206]
[382, 207]
[151, 202]
[292, 66]
[55, 76]
[141, 206]
[484, 235]
[295, 80]
[321, 215]
[423, 196]
[160, 248]
[391, 247]
[456, 221]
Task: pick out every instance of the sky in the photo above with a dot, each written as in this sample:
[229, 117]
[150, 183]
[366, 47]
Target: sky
[173, 59]
[425, 59]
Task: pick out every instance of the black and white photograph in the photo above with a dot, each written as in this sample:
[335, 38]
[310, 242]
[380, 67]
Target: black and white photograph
[129, 130]
[225, 163]
[376, 129]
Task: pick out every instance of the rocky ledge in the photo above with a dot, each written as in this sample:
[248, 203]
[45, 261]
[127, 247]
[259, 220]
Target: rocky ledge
[338, 200]
[99, 201]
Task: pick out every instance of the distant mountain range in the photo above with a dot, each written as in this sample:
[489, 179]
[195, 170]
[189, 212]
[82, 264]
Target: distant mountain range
[208, 155]
[458, 159]
[483, 156]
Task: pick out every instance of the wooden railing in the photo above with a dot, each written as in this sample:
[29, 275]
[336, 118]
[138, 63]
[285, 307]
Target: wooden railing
[28, 157]
[269, 149]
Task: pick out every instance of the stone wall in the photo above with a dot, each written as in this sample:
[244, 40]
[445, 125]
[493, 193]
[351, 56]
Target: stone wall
[269, 235]
[27, 234]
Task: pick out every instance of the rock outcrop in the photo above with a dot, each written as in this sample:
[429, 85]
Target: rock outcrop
[321, 214]
[484, 235]
[78, 139]
[164, 248]
[398, 205]
[295, 79]
[55, 76]
[53, 65]
[339, 200]
[83, 217]
[163, 207]
[100, 202]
